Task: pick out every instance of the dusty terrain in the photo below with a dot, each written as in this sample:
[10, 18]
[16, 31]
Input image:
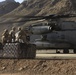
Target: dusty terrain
[37, 67]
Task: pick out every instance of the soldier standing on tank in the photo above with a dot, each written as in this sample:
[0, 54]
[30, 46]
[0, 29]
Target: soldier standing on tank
[12, 34]
[21, 35]
[5, 36]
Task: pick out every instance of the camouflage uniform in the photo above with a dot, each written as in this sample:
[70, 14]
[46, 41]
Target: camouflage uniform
[5, 36]
[21, 35]
[12, 34]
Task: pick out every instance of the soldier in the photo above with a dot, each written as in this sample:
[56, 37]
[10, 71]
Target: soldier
[12, 34]
[5, 36]
[21, 35]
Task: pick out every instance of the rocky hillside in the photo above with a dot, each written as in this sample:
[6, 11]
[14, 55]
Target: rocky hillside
[43, 7]
[7, 6]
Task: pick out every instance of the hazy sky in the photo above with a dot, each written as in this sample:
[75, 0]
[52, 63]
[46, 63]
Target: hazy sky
[15, 0]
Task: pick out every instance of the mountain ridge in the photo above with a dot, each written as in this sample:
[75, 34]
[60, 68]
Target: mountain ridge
[7, 6]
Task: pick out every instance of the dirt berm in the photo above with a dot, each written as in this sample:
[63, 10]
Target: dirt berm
[37, 67]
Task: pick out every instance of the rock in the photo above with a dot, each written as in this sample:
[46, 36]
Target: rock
[20, 69]
[3, 68]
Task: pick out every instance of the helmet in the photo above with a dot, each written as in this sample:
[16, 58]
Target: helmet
[6, 30]
[13, 28]
[19, 28]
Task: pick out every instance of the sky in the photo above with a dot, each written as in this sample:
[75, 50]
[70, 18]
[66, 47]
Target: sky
[15, 0]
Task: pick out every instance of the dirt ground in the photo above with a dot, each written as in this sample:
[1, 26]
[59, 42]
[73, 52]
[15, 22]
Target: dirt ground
[12, 74]
[37, 67]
